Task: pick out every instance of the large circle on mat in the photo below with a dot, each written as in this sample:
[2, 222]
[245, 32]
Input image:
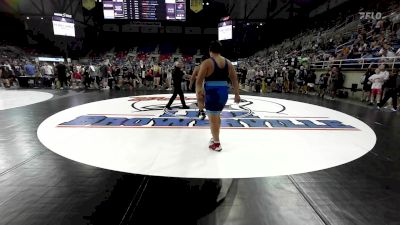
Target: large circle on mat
[17, 98]
[260, 137]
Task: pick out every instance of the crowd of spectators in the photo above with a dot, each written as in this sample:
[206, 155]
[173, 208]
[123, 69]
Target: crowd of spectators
[107, 73]
[286, 67]
[358, 43]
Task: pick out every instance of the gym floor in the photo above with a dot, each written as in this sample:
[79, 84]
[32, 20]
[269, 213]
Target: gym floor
[38, 186]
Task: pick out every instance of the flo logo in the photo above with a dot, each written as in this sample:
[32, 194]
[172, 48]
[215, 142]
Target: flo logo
[370, 15]
[250, 113]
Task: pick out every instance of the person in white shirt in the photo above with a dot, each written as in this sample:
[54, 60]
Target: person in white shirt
[386, 53]
[48, 70]
[260, 73]
[48, 75]
[377, 80]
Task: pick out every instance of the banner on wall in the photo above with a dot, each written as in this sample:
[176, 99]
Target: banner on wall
[89, 4]
[196, 5]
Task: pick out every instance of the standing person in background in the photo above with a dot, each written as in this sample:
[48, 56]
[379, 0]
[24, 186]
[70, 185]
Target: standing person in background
[258, 83]
[285, 80]
[323, 83]
[213, 94]
[116, 72]
[192, 84]
[279, 81]
[157, 75]
[291, 77]
[244, 75]
[333, 82]
[30, 69]
[149, 77]
[5, 75]
[48, 74]
[177, 76]
[169, 79]
[86, 77]
[76, 78]
[311, 77]
[185, 81]
[94, 76]
[61, 70]
[377, 81]
[301, 80]
[366, 91]
[105, 74]
[392, 90]
[250, 78]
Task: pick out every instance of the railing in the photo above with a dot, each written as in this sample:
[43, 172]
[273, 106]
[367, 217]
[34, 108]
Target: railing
[361, 63]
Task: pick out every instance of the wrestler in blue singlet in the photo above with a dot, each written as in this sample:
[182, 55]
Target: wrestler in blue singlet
[216, 89]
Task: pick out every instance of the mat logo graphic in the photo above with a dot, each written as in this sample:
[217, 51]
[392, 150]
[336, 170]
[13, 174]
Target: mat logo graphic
[245, 115]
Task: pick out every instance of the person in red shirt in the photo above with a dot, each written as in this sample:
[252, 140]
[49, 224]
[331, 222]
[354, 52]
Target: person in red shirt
[76, 78]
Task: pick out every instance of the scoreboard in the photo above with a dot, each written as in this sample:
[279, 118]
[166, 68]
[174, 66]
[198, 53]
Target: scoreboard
[174, 10]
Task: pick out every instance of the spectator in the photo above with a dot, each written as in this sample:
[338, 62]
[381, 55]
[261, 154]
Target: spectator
[301, 80]
[311, 77]
[157, 75]
[86, 77]
[76, 78]
[392, 90]
[30, 69]
[169, 79]
[5, 75]
[323, 84]
[48, 74]
[386, 52]
[377, 81]
[291, 78]
[366, 90]
[333, 82]
[62, 76]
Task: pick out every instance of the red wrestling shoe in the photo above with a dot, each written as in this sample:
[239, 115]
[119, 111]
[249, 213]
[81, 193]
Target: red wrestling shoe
[215, 147]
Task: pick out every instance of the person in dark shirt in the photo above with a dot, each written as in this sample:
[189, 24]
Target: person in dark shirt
[258, 83]
[291, 76]
[62, 74]
[392, 90]
[323, 84]
[5, 75]
[366, 93]
[311, 77]
[177, 77]
[86, 77]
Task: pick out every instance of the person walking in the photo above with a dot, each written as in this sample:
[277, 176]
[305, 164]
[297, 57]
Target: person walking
[212, 89]
[177, 77]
